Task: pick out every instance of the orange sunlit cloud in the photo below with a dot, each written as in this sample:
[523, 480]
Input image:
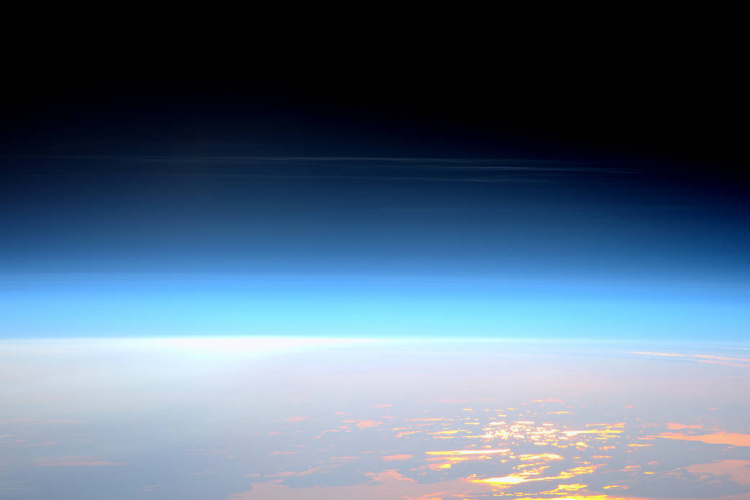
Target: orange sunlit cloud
[469, 452]
[364, 424]
[386, 485]
[716, 438]
[391, 485]
[531, 476]
[676, 427]
[738, 470]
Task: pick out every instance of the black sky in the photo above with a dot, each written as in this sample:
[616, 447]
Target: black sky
[680, 100]
[140, 162]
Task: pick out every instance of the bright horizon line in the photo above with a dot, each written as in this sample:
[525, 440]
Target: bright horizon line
[386, 339]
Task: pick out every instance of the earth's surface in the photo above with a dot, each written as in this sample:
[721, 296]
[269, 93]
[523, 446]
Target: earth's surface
[301, 419]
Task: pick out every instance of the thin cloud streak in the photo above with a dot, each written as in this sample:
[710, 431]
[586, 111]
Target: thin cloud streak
[700, 358]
